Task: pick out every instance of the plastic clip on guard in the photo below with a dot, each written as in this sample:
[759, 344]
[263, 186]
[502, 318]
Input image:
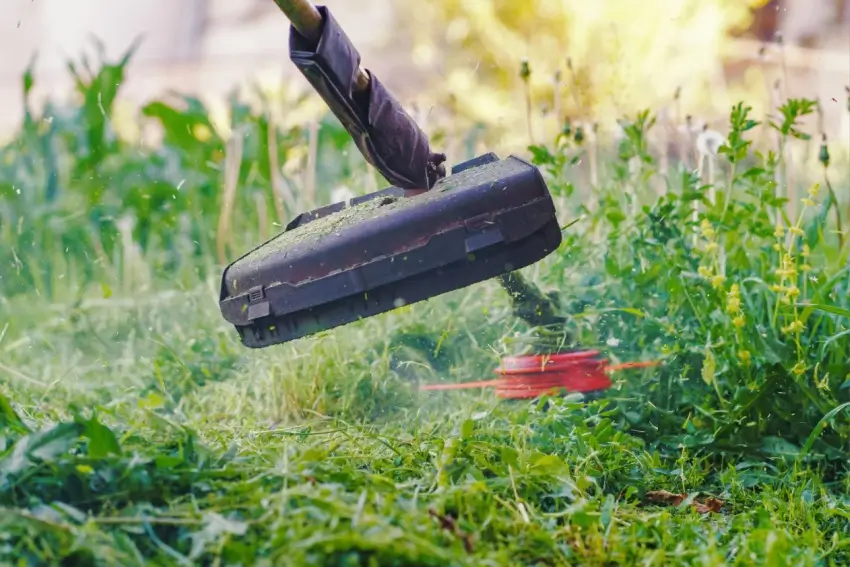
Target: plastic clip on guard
[386, 135]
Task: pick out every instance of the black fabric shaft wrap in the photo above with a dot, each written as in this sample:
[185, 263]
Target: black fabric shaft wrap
[384, 133]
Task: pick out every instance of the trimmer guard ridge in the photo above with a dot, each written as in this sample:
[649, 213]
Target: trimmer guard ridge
[344, 262]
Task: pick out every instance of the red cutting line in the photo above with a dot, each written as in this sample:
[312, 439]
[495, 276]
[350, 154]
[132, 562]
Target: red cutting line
[524, 382]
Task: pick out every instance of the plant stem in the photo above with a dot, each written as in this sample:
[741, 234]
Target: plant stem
[312, 162]
[281, 193]
[834, 203]
[530, 304]
[232, 165]
[533, 306]
[528, 112]
[782, 184]
[557, 102]
[593, 155]
[696, 203]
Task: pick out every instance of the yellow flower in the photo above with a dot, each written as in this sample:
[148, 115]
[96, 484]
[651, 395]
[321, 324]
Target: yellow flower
[704, 272]
[805, 268]
[706, 229]
[201, 132]
[787, 270]
[792, 291]
[808, 202]
[806, 251]
[777, 288]
[738, 321]
[745, 357]
[793, 327]
[796, 230]
[296, 156]
[777, 247]
[814, 190]
[779, 232]
[717, 281]
[733, 305]
[799, 368]
[711, 247]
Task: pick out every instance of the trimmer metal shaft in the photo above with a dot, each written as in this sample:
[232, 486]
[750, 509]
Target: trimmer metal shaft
[386, 135]
[307, 20]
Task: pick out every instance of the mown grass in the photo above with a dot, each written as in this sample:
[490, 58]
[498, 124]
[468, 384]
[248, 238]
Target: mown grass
[134, 429]
[320, 454]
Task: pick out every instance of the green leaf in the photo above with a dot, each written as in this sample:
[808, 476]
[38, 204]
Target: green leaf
[831, 340]
[548, 462]
[778, 446]
[166, 462]
[824, 421]
[540, 155]
[584, 519]
[102, 441]
[216, 528]
[709, 366]
[71, 512]
[29, 79]
[509, 456]
[467, 428]
[629, 310]
[754, 172]
[46, 445]
[9, 418]
[827, 308]
[608, 510]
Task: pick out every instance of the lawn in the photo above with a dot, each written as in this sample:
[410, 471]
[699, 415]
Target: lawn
[135, 429]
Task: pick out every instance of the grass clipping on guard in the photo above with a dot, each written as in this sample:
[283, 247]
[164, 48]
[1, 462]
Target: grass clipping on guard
[313, 231]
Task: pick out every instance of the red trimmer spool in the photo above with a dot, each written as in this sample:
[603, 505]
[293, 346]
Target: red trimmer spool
[528, 377]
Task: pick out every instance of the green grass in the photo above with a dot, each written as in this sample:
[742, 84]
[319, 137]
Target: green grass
[135, 429]
[318, 453]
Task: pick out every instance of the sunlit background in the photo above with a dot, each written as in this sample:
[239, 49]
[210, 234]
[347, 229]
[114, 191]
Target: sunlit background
[461, 58]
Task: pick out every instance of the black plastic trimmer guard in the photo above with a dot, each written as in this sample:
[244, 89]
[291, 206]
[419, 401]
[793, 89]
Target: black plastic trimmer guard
[487, 218]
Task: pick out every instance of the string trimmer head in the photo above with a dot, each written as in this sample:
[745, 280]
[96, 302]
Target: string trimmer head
[344, 262]
[426, 235]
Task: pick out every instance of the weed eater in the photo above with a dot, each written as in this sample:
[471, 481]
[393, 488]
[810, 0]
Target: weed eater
[427, 234]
